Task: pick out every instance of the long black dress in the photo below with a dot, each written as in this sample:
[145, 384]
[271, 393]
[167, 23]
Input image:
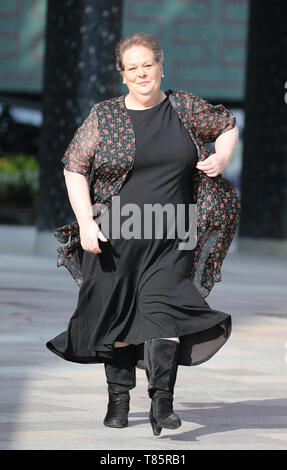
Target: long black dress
[140, 288]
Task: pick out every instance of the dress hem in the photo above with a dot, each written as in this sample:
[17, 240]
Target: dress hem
[101, 356]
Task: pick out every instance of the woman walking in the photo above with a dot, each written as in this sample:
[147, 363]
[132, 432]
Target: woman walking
[141, 300]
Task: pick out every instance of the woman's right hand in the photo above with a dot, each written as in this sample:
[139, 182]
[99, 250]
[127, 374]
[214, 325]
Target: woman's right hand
[90, 234]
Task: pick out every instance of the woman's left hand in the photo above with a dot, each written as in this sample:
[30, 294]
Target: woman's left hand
[212, 165]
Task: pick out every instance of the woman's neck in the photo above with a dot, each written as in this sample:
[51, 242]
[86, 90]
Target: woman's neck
[133, 103]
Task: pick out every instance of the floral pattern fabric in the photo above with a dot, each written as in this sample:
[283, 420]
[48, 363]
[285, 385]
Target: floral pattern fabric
[103, 149]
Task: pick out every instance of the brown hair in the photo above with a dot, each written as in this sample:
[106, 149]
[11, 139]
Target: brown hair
[142, 39]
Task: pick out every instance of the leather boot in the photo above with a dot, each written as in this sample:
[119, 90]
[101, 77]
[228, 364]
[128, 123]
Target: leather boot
[161, 364]
[121, 377]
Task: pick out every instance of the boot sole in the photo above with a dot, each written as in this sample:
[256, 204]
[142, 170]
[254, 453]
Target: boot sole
[115, 424]
[171, 422]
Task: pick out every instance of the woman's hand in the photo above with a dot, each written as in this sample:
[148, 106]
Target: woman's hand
[89, 236]
[224, 148]
[213, 165]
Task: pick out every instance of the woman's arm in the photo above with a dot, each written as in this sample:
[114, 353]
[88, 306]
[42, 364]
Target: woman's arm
[78, 164]
[79, 196]
[80, 153]
[224, 148]
[225, 144]
[214, 123]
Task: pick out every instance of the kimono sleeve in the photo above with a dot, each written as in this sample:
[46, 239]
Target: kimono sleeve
[210, 121]
[80, 153]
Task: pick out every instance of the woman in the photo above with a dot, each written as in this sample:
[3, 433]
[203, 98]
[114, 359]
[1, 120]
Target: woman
[141, 297]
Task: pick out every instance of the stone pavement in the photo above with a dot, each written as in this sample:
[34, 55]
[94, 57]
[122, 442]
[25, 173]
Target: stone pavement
[236, 400]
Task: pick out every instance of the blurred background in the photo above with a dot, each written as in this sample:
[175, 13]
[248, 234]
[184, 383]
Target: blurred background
[57, 59]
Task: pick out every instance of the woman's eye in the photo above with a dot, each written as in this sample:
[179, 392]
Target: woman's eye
[133, 68]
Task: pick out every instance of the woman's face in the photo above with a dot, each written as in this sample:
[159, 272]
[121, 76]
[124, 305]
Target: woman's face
[142, 73]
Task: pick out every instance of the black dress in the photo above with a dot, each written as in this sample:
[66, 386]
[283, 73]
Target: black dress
[140, 288]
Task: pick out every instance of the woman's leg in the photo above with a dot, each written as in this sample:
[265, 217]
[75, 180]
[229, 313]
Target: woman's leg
[172, 339]
[161, 364]
[121, 378]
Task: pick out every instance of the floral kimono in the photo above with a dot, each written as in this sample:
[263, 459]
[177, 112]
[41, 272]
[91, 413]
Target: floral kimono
[103, 149]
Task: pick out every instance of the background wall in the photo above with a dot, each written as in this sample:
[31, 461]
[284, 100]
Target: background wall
[22, 24]
[204, 42]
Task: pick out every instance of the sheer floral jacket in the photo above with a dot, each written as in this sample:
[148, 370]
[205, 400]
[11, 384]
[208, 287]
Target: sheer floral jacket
[103, 149]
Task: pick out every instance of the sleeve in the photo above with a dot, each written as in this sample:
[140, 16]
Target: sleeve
[80, 152]
[210, 121]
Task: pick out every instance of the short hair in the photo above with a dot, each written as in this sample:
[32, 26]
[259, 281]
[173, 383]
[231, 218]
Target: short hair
[142, 39]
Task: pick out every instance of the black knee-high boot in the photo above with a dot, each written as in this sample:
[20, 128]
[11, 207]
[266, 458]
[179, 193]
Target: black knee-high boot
[121, 377]
[161, 364]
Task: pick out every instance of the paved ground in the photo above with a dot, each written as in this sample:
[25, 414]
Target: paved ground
[236, 400]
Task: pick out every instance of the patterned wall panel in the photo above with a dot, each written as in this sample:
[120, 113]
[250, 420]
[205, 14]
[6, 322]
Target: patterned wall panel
[204, 42]
[22, 24]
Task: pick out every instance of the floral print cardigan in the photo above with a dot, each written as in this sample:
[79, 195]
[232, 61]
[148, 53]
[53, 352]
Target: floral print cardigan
[103, 149]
